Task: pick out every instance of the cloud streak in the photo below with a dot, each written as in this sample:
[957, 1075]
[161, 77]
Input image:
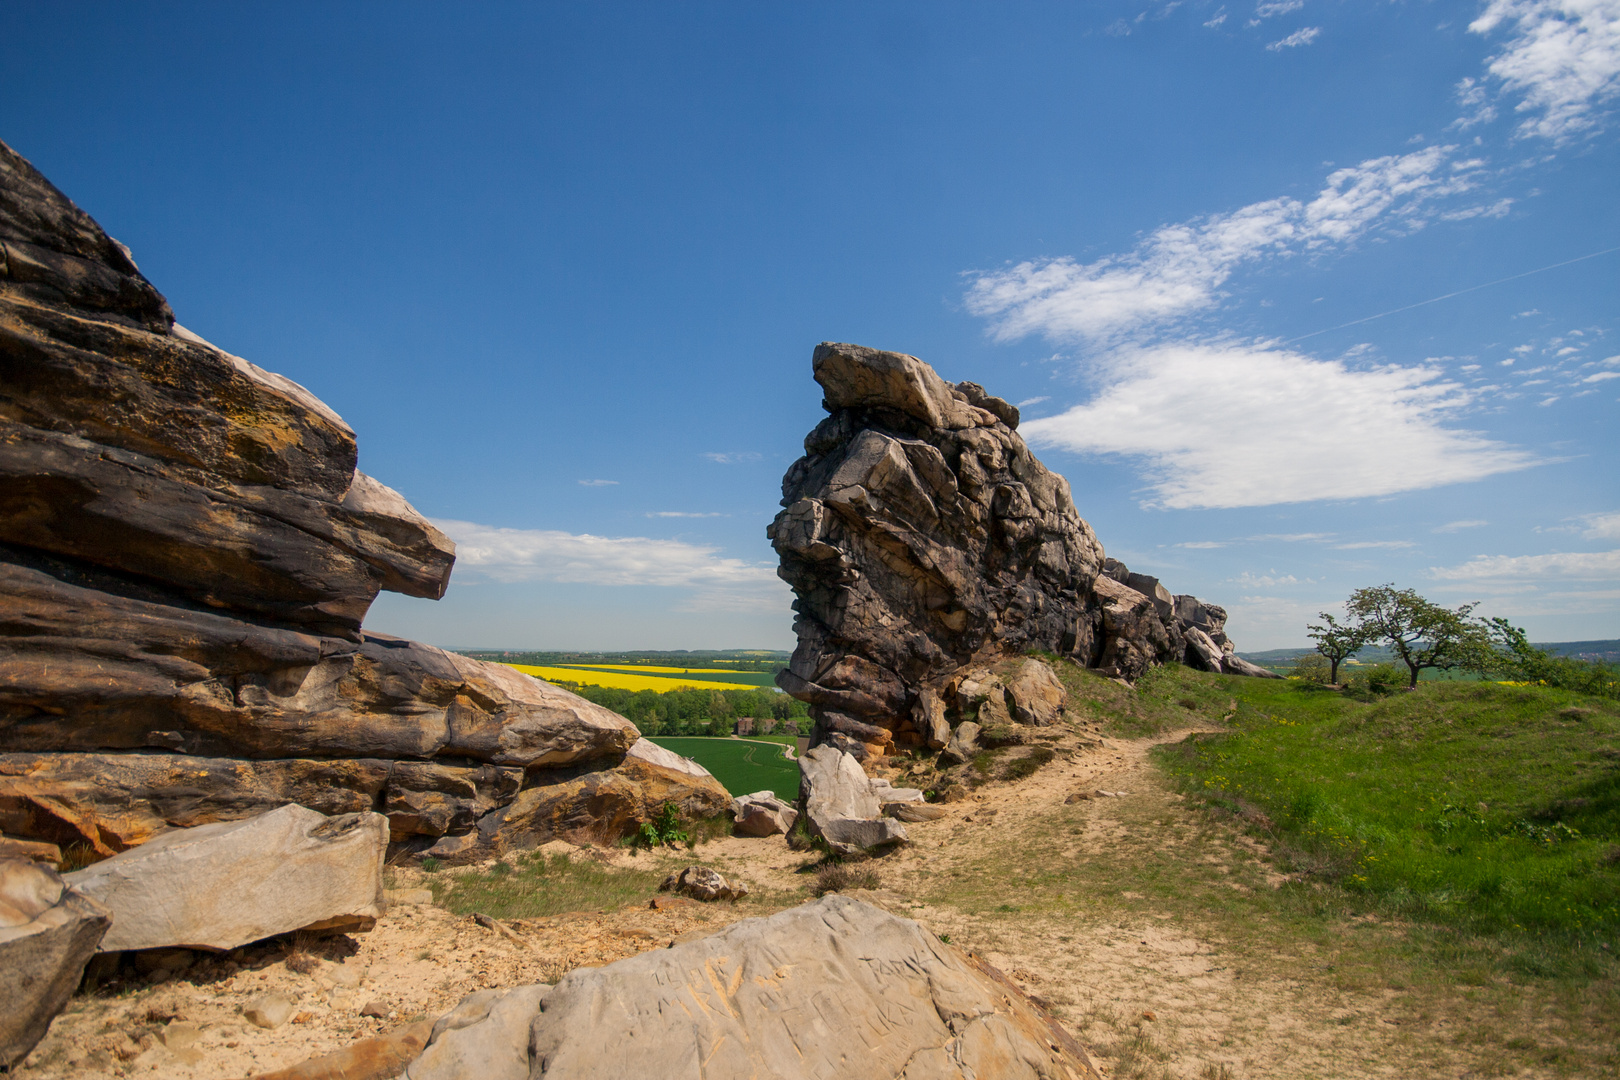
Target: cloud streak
[512, 556]
[1562, 60]
[1572, 566]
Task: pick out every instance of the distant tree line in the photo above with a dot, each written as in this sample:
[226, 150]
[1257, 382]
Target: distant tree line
[1425, 636]
[696, 711]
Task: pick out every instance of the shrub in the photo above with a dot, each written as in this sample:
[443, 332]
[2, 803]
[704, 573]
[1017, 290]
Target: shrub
[841, 877]
[663, 829]
[1312, 668]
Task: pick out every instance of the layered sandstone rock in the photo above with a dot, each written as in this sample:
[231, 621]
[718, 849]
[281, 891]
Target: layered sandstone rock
[922, 538]
[48, 931]
[187, 553]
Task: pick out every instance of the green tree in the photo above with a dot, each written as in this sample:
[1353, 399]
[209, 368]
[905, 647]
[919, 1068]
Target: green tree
[1423, 634]
[1336, 643]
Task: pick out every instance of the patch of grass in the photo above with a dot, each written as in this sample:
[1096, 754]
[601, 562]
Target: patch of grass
[1019, 768]
[1165, 698]
[535, 885]
[742, 766]
[843, 876]
[1482, 807]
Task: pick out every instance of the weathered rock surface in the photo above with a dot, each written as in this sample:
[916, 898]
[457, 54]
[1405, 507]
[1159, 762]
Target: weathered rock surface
[703, 883]
[187, 553]
[763, 814]
[379, 1058]
[831, 989]
[485, 1037]
[604, 801]
[227, 884]
[922, 537]
[841, 805]
[48, 931]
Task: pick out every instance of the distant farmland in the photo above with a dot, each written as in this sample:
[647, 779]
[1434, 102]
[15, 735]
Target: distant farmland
[629, 677]
[742, 765]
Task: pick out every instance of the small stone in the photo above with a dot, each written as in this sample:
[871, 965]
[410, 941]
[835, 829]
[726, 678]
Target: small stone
[1079, 796]
[375, 1009]
[268, 1011]
[342, 975]
[303, 1017]
[179, 1034]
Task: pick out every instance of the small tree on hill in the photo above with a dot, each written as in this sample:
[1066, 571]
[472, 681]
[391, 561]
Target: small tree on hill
[1421, 633]
[1336, 643]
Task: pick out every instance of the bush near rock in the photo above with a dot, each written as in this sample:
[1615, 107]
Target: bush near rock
[923, 539]
[48, 932]
[187, 554]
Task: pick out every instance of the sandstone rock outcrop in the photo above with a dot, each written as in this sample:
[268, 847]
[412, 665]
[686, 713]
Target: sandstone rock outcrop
[187, 553]
[831, 989]
[842, 805]
[922, 538]
[234, 882]
[48, 932]
[763, 814]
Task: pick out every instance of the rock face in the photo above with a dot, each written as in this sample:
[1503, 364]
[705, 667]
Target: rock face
[230, 883]
[832, 989]
[47, 934]
[842, 806]
[922, 537]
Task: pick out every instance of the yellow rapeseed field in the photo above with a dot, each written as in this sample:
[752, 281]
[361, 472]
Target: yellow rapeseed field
[649, 667]
[623, 680]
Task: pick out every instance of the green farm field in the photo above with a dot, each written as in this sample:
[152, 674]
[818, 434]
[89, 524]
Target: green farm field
[742, 765]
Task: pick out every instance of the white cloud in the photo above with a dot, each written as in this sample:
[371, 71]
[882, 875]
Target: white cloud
[1219, 17]
[1361, 544]
[1033, 401]
[1476, 103]
[733, 458]
[1230, 426]
[598, 483]
[1277, 7]
[1264, 581]
[1600, 526]
[1297, 38]
[1602, 376]
[684, 514]
[1563, 60]
[510, 556]
[1179, 269]
[1580, 566]
[1497, 209]
[1459, 526]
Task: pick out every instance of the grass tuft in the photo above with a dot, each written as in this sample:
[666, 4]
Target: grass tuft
[534, 885]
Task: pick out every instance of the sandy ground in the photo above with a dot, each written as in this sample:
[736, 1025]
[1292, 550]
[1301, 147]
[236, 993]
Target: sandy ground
[1153, 994]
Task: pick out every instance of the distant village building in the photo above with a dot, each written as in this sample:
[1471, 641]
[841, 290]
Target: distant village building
[745, 725]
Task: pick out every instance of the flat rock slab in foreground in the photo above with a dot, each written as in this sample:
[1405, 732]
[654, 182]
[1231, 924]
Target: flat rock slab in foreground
[47, 933]
[832, 989]
[223, 885]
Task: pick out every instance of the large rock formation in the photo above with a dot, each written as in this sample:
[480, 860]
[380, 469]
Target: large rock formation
[922, 538]
[831, 989]
[186, 555]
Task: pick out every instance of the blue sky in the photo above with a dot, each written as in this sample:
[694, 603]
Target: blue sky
[562, 268]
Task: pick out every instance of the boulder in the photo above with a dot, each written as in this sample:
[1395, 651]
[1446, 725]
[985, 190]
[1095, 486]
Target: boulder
[1236, 665]
[964, 743]
[187, 555]
[600, 804]
[485, 1037]
[840, 804]
[832, 989]
[224, 885]
[1035, 694]
[763, 814]
[702, 883]
[923, 542]
[1203, 653]
[914, 812]
[48, 931]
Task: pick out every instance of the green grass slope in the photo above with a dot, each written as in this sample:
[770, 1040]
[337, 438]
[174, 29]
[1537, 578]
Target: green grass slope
[742, 765]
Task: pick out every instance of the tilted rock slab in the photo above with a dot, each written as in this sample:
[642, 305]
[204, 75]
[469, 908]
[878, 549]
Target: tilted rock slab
[187, 553]
[227, 884]
[48, 932]
[842, 805]
[763, 814]
[921, 536]
[835, 989]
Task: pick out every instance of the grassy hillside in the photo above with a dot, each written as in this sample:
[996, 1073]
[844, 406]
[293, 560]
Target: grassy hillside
[741, 765]
[1493, 809]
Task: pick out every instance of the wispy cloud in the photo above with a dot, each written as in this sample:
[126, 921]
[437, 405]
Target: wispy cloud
[1270, 580]
[1600, 526]
[1359, 545]
[684, 514]
[1277, 7]
[598, 483]
[1216, 20]
[510, 556]
[732, 458]
[1459, 526]
[1027, 402]
[1171, 407]
[1287, 538]
[1577, 566]
[1179, 269]
[1296, 39]
[1562, 60]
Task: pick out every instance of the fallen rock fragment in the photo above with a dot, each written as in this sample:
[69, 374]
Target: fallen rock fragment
[380, 1058]
[763, 814]
[48, 931]
[268, 1011]
[224, 885]
[702, 883]
[840, 804]
[836, 989]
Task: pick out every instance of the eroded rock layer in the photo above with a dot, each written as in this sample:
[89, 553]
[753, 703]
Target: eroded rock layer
[923, 539]
[187, 553]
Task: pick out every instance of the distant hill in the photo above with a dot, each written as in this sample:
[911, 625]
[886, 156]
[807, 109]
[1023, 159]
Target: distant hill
[768, 660]
[1607, 652]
